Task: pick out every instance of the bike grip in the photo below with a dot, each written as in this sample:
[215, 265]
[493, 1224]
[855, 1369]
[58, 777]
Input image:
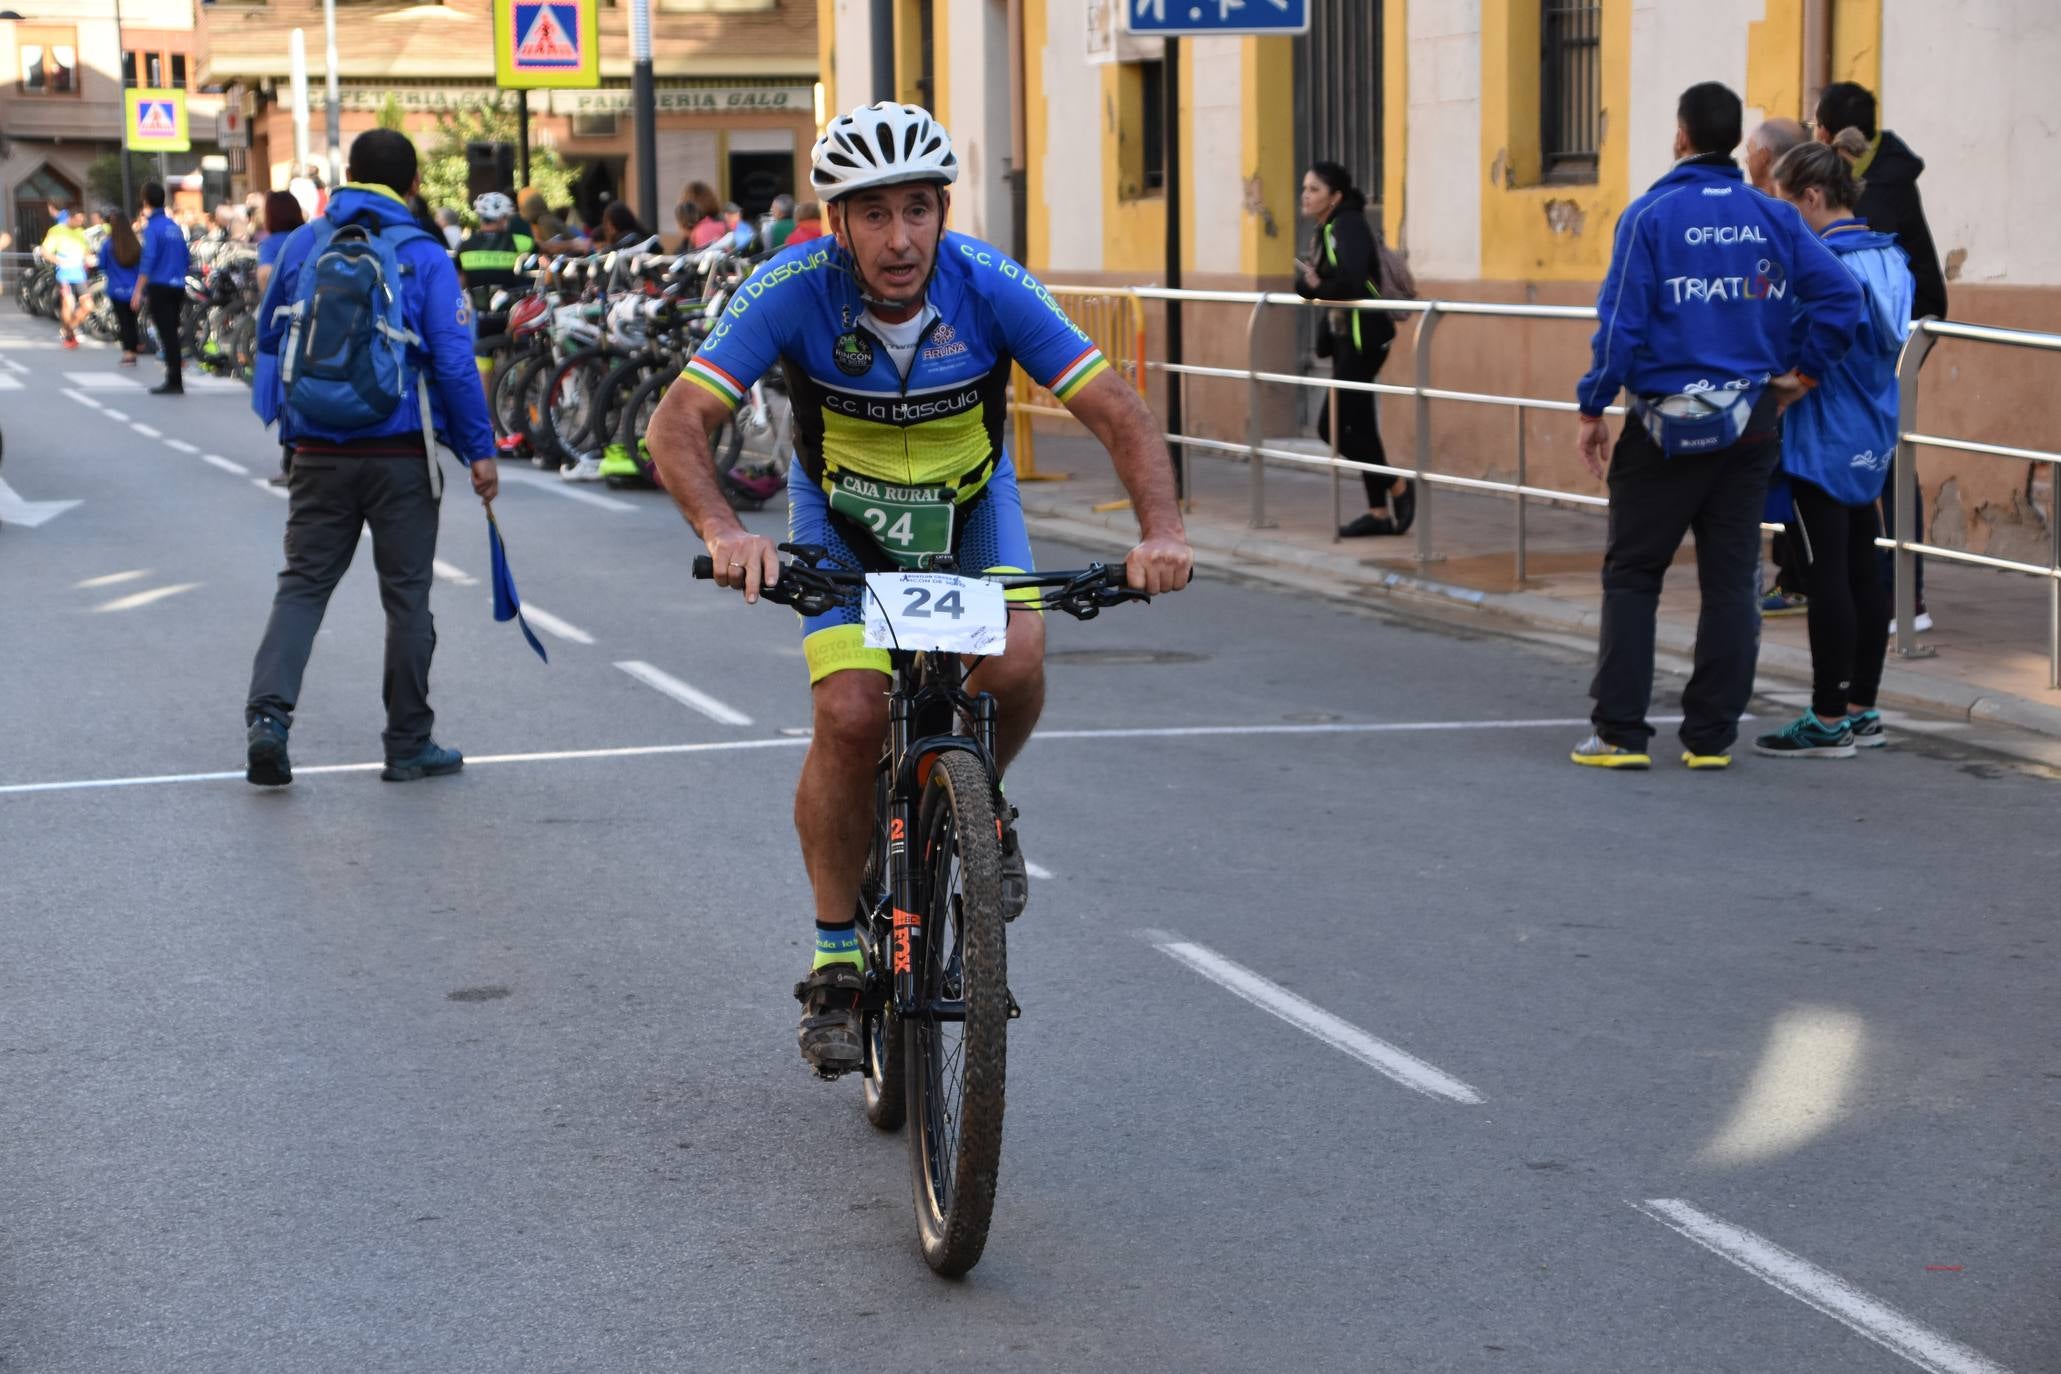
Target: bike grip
[704, 567]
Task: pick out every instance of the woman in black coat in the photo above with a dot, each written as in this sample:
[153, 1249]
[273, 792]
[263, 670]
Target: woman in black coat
[1344, 265]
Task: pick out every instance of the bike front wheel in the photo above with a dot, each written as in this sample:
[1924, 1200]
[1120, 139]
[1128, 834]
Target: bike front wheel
[956, 1068]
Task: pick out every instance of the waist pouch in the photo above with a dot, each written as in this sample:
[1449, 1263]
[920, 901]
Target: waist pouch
[1695, 422]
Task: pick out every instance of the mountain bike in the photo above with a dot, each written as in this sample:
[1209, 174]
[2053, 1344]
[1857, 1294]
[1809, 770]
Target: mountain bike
[936, 1005]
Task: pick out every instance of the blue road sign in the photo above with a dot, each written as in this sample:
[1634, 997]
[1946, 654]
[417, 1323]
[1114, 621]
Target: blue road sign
[1203, 18]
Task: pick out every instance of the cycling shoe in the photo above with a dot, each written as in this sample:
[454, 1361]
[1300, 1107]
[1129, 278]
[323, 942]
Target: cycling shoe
[829, 1031]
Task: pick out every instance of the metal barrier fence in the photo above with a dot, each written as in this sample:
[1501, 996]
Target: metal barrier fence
[1115, 321]
[1422, 393]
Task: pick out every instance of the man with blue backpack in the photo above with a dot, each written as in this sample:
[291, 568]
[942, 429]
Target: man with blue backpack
[373, 336]
[1721, 307]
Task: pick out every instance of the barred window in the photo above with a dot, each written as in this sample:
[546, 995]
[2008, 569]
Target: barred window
[1570, 88]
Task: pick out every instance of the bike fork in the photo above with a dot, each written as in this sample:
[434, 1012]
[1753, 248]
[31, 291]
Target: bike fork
[905, 939]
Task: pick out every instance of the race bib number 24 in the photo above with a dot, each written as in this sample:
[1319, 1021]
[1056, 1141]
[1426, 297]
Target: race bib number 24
[935, 611]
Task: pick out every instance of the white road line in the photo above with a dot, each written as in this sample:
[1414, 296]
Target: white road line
[102, 381]
[10, 383]
[1377, 1054]
[1038, 871]
[81, 397]
[180, 446]
[684, 694]
[11, 365]
[564, 629]
[457, 575]
[264, 484]
[147, 431]
[145, 597]
[111, 579]
[114, 414]
[218, 461]
[1381, 727]
[1815, 1287]
[517, 477]
[797, 741]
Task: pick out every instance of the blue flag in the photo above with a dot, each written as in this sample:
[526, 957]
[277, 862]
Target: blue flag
[507, 605]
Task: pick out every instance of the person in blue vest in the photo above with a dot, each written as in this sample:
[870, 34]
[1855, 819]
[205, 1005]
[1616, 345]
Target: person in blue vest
[1721, 307]
[381, 471]
[161, 280]
[1837, 446]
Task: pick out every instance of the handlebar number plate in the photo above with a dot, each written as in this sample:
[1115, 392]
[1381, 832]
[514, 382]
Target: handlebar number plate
[935, 611]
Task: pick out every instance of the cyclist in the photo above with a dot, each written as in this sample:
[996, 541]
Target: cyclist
[897, 337]
[489, 256]
[65, 248]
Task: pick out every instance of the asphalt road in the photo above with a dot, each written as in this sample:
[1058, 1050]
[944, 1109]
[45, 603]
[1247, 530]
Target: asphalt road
[1528, 1068]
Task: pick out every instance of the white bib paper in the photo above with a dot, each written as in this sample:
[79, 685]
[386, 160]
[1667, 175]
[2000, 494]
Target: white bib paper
[935, 611]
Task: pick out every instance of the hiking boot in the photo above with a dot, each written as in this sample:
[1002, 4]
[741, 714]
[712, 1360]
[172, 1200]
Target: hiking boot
[829, 1032]
[433, 760]
[266, 764]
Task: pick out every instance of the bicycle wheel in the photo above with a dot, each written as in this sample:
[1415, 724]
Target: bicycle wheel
[570, 402]
[956, 1068]
[511, 372]
[617, 386]
[636, 419]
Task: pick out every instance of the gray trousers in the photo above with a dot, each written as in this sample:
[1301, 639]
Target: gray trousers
[332, 498]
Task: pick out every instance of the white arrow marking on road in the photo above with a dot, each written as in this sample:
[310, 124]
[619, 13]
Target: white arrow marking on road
[11, 365]
[112, 579]
[1815, 1287]
[145, 597]
[565, 489]
[1388, 1060]
[217, 460]
[457, 575]
[551, 624]
[684, 694]
[180, 446]
[16, 511]
[9, 383]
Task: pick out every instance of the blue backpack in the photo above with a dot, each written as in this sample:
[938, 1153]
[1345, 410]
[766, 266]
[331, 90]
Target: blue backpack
[345, 362]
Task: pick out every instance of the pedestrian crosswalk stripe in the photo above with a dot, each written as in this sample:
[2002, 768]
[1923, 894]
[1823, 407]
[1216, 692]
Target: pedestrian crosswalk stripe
[102, 381]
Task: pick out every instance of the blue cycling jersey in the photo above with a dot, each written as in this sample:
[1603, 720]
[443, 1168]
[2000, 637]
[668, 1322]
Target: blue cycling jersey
[940, 426]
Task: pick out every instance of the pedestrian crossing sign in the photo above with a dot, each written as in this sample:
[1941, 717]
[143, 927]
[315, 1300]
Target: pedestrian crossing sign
[547, 43]
[156, 120]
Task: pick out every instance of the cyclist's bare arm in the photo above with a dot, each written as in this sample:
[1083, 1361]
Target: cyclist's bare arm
[1117, 415]
[679, 439]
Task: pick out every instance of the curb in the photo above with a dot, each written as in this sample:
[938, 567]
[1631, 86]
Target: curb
[1268, 561]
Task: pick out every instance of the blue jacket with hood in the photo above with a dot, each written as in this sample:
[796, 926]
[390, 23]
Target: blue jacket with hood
[1706, 280]
[436, 309]
[1842, 435]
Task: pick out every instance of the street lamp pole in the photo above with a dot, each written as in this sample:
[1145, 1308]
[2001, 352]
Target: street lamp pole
[644, 100]
[128, 191]
[335, 100]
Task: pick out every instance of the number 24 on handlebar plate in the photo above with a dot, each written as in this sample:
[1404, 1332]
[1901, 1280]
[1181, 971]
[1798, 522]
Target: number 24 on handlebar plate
[935, 611]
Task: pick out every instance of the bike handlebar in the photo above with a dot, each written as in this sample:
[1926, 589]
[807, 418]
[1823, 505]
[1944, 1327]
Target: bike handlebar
[810, 589]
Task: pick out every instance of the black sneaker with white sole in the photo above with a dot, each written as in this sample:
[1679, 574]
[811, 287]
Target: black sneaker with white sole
[266, 764]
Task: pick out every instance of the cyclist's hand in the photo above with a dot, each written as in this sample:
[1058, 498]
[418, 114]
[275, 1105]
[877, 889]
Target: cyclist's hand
[1159, 564]
[486, 479]
[744, 559]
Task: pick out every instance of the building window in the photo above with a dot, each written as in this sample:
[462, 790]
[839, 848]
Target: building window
[49, 61]
[1570, 88]
[1152, 127]
[156, 70]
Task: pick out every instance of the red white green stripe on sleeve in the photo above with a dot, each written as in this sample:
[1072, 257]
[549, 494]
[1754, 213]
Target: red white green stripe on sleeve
[725, 387]
[1078, 374]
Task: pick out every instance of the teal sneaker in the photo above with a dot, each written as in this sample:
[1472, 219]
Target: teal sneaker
[1807, 738]
[1867, 729]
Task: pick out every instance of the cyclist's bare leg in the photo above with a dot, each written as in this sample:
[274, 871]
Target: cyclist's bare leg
[1017, 680]
[833, 805]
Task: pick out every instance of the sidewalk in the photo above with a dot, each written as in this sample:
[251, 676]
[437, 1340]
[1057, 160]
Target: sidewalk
[1990, 627]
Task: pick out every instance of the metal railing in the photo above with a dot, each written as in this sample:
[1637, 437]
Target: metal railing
[1422, 393]
[1903, 539]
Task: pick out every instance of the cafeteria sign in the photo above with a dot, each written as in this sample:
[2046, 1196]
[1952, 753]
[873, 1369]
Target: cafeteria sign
[155, 120]
[540, 44]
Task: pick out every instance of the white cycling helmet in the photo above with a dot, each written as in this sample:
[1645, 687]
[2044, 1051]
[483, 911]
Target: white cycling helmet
[880, 145]
[493, 205]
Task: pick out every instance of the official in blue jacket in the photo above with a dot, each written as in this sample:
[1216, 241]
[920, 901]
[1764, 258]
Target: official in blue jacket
[1697, 322]
[1837, 446]
[161, 280]
[383, 474]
